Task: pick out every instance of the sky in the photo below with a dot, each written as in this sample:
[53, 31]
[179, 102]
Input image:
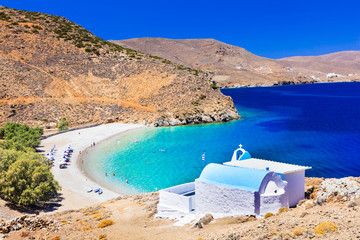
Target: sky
[267, 28]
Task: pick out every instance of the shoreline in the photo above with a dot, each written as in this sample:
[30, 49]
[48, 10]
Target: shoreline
[73, 180]
[279, 85]
[84, 154]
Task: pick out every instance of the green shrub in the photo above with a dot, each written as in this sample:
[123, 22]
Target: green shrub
[25, 178]
[63, 125]
[36, 27]
[4, 16]
[79, 44]
[28, 181]
[17, 135]
[166, 61]
[202, 96]
[214, 86]
[156, 57]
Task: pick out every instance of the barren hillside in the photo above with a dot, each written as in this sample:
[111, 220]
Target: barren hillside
[234, 66]
[347, 62]
[51, 68]
[231, 65]
[330, 212]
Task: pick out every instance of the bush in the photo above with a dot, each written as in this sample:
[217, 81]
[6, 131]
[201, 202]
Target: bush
[282, 210]
[105, 223]
[166, 61]
[63, 125]
[37, 27]
[28, 181]
[20, 137]
[299, 231]
[4, 17]
[269, 214]
[155, 57]
[214, 86]
[102, 237]
[325, 227]
[202, 96]
[25, 178]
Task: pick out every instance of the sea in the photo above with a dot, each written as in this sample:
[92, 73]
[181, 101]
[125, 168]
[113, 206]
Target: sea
[315, 125]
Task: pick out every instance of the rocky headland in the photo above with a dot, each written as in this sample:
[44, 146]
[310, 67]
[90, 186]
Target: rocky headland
[52, 68]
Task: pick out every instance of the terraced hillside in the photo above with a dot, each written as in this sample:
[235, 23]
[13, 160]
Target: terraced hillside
[51, 68]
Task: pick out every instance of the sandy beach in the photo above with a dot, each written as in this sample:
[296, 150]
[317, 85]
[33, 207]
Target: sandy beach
[72, 179]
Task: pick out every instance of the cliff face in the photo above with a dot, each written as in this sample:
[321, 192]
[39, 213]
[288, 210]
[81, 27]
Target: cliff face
[52, 68]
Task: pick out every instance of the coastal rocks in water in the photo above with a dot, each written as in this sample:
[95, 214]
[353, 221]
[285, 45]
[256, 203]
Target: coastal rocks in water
[196, 116]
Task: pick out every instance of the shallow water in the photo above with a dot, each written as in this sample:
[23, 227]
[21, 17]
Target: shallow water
[313, 125]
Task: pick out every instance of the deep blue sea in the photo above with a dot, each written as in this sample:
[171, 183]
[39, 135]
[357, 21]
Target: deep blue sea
[314, 125]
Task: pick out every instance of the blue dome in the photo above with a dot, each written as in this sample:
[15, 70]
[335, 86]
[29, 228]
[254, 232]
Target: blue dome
[234, 177]
[245, 155]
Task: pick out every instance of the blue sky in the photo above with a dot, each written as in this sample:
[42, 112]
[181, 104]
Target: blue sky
[271, 29]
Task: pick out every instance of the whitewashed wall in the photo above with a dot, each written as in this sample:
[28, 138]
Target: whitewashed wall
[222, 201]
[295, 186]
[272, 203]
[172, 198]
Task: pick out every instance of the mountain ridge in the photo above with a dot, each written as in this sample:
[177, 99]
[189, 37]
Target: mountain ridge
[235, 66]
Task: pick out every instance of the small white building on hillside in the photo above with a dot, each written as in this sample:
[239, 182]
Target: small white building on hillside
[243, 186]
[294, 175]
[232, 191]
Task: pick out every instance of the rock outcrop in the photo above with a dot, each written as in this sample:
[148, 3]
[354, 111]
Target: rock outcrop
[31, 223]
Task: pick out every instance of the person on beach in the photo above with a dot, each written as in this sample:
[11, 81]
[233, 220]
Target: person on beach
[113, 174]
[105, 174]
[94, 144]
[127, 181]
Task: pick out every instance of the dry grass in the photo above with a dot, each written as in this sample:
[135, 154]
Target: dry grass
[102, 237]
[282, 210]
[105, 223]
[299, 231]
[325, 227]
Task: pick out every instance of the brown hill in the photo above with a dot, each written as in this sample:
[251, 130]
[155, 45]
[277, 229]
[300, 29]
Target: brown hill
[234, 66]
[346, 62]
[51, 68]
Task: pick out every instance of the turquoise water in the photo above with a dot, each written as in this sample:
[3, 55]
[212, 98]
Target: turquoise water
[313, 125]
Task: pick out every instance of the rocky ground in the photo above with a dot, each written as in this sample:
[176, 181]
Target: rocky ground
[331, 211]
